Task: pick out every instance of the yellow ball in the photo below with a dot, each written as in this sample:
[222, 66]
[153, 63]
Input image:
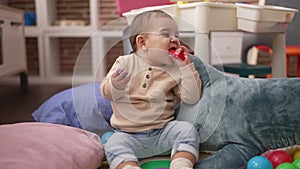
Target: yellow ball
[296, 154]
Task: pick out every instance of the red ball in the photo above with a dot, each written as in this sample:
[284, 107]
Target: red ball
[277, 157]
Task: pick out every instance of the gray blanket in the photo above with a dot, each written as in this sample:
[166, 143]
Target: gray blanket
[240, 117]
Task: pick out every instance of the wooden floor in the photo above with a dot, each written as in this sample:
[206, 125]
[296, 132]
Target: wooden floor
[16, 106]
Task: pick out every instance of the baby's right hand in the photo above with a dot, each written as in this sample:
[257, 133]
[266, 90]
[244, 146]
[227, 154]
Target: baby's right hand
[120, 78]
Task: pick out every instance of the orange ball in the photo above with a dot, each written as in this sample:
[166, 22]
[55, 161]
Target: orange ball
[296, 154]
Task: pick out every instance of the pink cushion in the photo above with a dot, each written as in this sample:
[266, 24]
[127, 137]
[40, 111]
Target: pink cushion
[47, 146]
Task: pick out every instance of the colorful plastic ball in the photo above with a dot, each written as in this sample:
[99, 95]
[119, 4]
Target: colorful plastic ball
[296, 163]
[259, 162]
[286, 166]
[279, 157]
[296, 155]
[106, 136]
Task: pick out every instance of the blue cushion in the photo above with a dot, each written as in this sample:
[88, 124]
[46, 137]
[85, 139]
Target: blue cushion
[82, 107]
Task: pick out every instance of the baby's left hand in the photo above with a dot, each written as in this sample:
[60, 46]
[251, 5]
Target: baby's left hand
[178, 61]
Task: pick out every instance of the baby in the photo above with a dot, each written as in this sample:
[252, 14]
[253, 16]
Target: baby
[145, 87]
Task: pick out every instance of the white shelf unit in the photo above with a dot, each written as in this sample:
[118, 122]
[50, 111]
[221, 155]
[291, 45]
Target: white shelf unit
[48, 38]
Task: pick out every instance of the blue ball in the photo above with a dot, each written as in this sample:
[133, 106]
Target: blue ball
[106, 136]
[259, 162]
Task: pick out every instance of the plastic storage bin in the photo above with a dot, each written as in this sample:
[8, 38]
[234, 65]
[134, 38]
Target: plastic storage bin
[199, 16]
[170, 9]
[207, 16]
[260, 19]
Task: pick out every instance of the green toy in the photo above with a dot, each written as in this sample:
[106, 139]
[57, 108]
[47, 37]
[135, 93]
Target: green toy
[156, 164]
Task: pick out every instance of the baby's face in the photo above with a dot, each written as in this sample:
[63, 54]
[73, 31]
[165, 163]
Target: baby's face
[163, 35]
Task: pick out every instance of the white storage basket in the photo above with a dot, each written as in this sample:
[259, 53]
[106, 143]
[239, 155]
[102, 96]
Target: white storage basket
[207, 16]
[170, 9]
[264, 18]
[199, 16]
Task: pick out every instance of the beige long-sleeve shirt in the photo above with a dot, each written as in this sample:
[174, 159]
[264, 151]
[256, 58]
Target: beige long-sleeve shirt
[152, 94]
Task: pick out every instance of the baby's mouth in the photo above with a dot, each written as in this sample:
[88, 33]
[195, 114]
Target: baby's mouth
[172, 49]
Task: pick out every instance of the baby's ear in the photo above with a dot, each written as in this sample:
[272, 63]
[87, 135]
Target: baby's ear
[140, 42]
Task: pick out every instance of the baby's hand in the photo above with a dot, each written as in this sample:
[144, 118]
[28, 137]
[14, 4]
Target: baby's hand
[181, 56]
[120, 78]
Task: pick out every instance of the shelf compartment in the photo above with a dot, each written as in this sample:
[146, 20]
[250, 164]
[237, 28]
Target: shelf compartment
[27, 5]
[66, 53]
[108, 17]
[68, 13]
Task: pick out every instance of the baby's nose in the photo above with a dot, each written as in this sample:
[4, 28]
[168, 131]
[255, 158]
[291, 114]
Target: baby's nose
[174, 39]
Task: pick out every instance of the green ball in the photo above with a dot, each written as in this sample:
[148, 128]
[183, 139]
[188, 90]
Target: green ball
[296, 163]
[286, 166]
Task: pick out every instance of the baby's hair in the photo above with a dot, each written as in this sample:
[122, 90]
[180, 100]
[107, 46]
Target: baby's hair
[142, 23]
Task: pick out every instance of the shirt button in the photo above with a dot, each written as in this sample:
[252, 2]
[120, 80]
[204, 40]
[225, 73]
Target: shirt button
[147, 76]
[144, 85]
[150, 68]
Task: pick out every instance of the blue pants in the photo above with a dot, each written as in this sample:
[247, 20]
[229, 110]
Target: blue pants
[176, 135]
